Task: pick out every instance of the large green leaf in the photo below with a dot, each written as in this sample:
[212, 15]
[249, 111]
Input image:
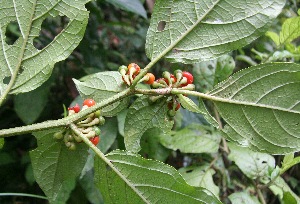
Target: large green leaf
[55, 167]
[194, 138]
[253, 164]
[133, 179]
[101, 86]
[242, 198]
[108, 134]
[209, 73]
[30, 105]
[193, 31]
[201, 176]
[142, 116]
[261, 107]
[22, 66]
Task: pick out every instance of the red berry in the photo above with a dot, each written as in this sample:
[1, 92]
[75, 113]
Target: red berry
[89, 102]
[95, 140]
[75, 108]
[189, 77]
[151, 78]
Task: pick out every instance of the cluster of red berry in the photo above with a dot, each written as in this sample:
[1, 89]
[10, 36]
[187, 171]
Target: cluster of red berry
[87, 126]
[179, 79]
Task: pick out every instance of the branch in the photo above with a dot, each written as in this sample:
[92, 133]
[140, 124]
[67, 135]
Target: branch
[64, 121]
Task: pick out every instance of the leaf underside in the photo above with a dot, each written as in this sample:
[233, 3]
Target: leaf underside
[194, 31]
[32, 66]
[101, 86]
[142, 116]
[261, 106]
[55, 167]
[147, 181]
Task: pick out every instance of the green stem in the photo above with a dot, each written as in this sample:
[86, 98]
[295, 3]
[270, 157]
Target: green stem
[23, 195]
[246, 59]
[107, 161]
[260, 196]
[64, 121]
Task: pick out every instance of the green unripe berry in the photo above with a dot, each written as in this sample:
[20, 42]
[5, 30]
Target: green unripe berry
[72, 146]
[97, 130]
[101, 120]
[58, 135]
[97, 113]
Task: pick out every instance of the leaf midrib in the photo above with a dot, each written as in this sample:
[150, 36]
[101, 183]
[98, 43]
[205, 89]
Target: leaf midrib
[21, 55]
[172, 45]
[237, 102]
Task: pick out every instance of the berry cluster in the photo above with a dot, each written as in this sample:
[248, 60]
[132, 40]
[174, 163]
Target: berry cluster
[87, 126]
[179, 79]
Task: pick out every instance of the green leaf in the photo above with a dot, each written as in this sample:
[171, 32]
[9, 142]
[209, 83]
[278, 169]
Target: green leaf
[189, 104]
[121, 121]
[261, 107]
[290, 30]
[23, 66]
[101, 86]
[194, 138]
[55, 167]
[29, 106]
[225, 67]
[274, 36]
[207, 74]
[142, 116]
[253, 164]
[207, 115]
[91, 191]
[200, 177]
[108, 134]
[284, 192]
[221, 26]
[242, 198]
[151, 146]
[289, 162]
[288, 159]
[133, 179]
[134, 6]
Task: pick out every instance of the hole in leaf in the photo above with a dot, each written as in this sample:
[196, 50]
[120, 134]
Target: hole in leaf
[161, 26]
[6, 80]
[189, 171]
[12, 33]
[210, 67]
[263, 162]
[50, 28]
